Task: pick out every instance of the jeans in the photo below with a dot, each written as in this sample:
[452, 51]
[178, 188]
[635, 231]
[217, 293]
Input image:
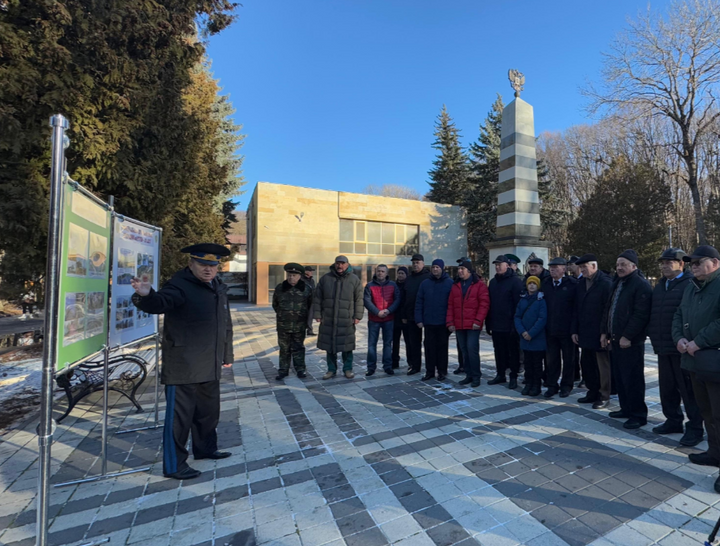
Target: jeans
[374, 329]
[398, 331]
[347, 358]
[469, 344]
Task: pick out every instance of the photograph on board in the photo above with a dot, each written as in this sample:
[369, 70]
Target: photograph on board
[77, 256]
[126, 265]
[95, 318]
[74, 327]
[98, 256]
[143, 318]
[145, 267]
[124, 313]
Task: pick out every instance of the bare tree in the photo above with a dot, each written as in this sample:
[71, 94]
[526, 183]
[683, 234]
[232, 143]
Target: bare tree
[669, 68]
[393, 190]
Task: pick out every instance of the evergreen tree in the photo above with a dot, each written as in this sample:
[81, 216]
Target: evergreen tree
[449, 176]
[481, 201]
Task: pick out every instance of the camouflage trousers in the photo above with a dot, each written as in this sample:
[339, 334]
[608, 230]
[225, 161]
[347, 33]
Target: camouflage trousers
[291, 346]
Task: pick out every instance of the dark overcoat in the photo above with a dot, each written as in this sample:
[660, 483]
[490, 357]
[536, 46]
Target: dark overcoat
[505, 290]
[665, 300]
[560, 303]
[589, 309]
[197, 333]
[338, 301]
[632, 310]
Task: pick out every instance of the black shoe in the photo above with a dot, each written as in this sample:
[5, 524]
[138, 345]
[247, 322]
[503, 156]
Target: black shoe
[302, 375]
[280, 376]
[526, 390]
[601, 404]
[513, 383]
[412, 372]
[427, 377]
[369, 373]
[396, 366]
[535, 391]
[587, 399]
[691, 438]
[458, 371]
[441, 377]
[632, 423]
[389, 371]
[475, 383]
[619, 414]
[668, 428]
[552, 391]
[564, 393]
[703, 459]
[497, 380]
[465, 381]
[184, 474]
[215, 455]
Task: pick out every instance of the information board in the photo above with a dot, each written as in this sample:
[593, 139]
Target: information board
[135, 254]
[84, 274]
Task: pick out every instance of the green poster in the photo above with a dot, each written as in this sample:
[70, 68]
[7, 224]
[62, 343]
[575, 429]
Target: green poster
[84, 271]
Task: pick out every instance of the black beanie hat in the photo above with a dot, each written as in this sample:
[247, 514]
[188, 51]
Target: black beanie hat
[630, 255]
[405, 269]
[467, 265]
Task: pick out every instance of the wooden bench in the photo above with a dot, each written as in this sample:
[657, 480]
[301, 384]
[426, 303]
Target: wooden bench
[126, 373]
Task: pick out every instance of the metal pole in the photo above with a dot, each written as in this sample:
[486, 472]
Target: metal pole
[157, 380]
[52, 281]
[106, 358]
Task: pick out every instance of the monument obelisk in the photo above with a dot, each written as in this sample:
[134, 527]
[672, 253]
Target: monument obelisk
[518, 226]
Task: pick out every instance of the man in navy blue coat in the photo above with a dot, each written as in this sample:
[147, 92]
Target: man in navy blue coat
[430, 314]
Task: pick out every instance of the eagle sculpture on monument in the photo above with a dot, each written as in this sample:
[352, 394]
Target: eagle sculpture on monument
[517, 81]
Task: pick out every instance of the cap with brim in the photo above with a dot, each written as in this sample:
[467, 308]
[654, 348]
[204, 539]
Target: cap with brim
[536, 261]
[585, 258]
[703, 251]
[558, 261]
[309, 268]
[294, 268]
[573, 260]
[206, 253]
[463, 259]
[502, 259]
[512, 258]
[417, 258]
[342, 259]
[676, 254]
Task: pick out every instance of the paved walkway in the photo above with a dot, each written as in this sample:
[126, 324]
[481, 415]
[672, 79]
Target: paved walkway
[384, 460]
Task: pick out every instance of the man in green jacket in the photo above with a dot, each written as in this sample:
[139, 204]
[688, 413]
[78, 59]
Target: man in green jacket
[696, 326]
[338, 307]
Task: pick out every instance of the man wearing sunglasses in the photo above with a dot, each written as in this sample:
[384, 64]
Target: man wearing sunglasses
[696, 326]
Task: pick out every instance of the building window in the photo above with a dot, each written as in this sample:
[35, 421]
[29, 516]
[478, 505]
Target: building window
[378, 238]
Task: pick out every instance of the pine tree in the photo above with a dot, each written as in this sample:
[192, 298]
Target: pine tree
[481, 201]
[449, 176]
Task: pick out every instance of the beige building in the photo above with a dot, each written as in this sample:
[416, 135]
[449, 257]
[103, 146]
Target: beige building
[311, 227]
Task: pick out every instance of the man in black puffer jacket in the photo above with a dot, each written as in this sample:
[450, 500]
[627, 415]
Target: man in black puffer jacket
[625, 321]
[675, 383]
[197, 341]
[505, 289]
[413, 334]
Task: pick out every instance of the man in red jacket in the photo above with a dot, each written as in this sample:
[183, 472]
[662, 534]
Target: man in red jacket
[382, 299]
[468, 306]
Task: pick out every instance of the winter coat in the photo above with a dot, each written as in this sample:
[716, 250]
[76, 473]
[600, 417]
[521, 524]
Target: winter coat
[197, 333]
[412, 285]
[505, 293]
[632, 310]
[544, 274]
[589, 308]
[531, 317]
[560, 302]
[310, 281]
[464, 311]
[432, 300]
[379, 296]
[398, 313]
[665, 301]
[698, 316]
[292, 305]
[338, 301]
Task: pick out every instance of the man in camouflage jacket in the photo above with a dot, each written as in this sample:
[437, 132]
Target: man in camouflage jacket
[292, 302]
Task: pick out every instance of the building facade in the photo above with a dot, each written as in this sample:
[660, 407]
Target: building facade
[311, 227]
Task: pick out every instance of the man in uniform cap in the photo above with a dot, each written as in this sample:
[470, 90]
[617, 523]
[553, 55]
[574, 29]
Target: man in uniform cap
[197, 342]
[513, 261]
[310, 281]
[292, 302]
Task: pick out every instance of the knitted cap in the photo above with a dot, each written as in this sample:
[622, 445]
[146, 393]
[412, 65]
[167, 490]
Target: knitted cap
[439, 262]
[534, 279]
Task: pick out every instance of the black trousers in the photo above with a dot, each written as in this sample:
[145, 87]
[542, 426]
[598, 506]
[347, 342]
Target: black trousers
[398, 330]
[193, 407]
[413, 345]
[436, 349]
[707, 394]
[506, 346]
[676, 386]
[628, 368]
[534, 368]
[560, 361]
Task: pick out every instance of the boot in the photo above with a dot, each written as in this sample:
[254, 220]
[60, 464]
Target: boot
[535, 390]
[497, 380]
[281, 375]
[513, 383]
[349, 374]
[328, 375]
[526, 390]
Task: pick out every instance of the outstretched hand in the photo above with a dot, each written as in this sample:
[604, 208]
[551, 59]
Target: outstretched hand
[141, 286]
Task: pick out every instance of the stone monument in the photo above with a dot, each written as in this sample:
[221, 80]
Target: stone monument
[518, 227]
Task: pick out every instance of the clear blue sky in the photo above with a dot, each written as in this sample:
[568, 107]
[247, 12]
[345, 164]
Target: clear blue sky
[339, 94]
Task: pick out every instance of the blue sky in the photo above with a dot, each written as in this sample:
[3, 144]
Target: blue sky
[339, 94]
